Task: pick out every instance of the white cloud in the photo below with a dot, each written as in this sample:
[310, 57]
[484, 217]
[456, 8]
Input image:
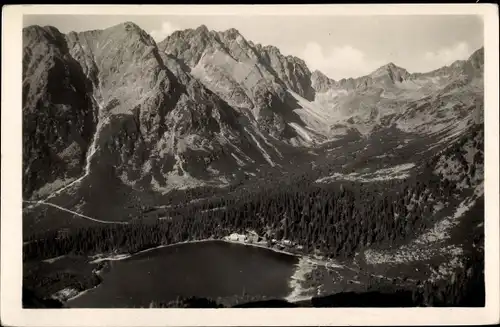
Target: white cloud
[166, 29]
[339, 62]
[446, 56]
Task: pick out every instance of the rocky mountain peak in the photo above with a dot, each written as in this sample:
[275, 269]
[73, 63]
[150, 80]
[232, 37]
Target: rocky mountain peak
[231, 32]
[152, 109]
[318, 74]
[230, 36]
[229, 49]
[89, 34]
[202, 29]
[461, 69]
[201, 32]
[478, 52]
[188, 45]
[272, 49]
[387, 68]
[291, 70]
[320, 82]
[57, 109]
[477, 58]
[36, 34]
[390, 71]
[129, 32]
[129, 26]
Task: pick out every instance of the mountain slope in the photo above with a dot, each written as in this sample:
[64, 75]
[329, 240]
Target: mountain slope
[59, 117]
[207, 108]
[304, 108]
[129, 144]
[390, 95]
[146, 117]
[252, 78]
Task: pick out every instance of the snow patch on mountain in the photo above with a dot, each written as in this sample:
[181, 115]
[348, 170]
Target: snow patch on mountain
[302, 132]
[262, 150]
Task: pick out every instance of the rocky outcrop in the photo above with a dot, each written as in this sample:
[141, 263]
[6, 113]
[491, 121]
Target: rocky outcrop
[477, 59]
[291, 70]
[204, 106]
[158, 122]
[192, 44]
[59, 115]
[252, 78]
[417, 102]
[137, 113]
[320, 82]
[389, 73]
[384, 76]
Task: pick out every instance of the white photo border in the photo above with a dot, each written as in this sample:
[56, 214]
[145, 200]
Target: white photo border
[11, 311]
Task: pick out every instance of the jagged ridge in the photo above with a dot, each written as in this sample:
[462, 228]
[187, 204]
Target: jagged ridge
[207, 106]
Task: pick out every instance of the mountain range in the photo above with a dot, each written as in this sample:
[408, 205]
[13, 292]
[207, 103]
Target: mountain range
[207, 135]
[207, 108]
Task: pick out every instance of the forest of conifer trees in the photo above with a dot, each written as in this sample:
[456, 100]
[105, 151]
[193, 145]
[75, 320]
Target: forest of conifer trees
[335, 219]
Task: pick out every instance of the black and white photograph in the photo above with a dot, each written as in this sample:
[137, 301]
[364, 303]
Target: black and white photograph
[225, 161]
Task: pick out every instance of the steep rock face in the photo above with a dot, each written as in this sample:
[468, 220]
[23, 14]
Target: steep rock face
[320, 82]
[205, 107]
[389, 73]
[463, 163]
[294, 105]
[455, 101]
[465, 69]
[107, 104]
[157, 124]
[383, 77]
[418, 102]
[58, 113]
[477, 59]
[249, 77]
[291, 70]
[119, 58]
[192, 44]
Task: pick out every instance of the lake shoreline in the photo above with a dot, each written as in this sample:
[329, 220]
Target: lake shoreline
[293, 282]
[123, 256]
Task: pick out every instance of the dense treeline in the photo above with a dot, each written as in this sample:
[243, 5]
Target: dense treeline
[336, 219]
[32, 301]
[44, 284]
[465, 289]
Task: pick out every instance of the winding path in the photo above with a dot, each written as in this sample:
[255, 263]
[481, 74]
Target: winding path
[90, 153]
[76, 213]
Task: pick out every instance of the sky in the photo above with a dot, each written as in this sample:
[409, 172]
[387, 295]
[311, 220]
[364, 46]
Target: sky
[338, 46]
